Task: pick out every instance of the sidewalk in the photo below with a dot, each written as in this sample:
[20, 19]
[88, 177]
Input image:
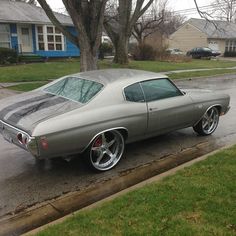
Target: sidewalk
[7, 92]
[193, 70]
[5, 85]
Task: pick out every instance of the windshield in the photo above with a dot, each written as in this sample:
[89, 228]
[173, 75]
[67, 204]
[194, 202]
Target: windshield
[79, 90]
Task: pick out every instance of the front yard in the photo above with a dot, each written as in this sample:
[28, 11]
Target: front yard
[199, 200]
[52, 70]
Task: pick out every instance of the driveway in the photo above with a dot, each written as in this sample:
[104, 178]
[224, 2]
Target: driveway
[24, 182]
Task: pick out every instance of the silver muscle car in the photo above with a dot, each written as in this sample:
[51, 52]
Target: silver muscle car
[97, 112]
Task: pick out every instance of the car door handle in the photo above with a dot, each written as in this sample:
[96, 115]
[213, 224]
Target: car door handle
[153, 108]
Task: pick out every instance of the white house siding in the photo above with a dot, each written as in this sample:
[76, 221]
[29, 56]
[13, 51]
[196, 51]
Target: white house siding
[188, 37]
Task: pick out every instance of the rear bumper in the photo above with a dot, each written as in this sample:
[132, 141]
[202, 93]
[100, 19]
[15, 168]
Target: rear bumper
[10, 133]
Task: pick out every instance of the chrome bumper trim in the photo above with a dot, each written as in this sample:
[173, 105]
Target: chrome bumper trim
[31, 146]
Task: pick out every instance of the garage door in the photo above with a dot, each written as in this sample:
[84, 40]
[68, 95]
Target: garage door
[213, 45]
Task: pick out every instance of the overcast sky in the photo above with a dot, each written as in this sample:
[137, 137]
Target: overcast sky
[175, 5]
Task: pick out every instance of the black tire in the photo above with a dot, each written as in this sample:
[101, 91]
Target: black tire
[105, 151]
[209, 122]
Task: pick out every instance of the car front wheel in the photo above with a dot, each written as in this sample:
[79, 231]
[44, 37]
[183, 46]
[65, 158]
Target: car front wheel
[106, 150]
[209, 122]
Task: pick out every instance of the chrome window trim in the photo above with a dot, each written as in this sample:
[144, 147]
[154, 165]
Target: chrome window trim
[103, 87]
[145, 100]
[181, 93]
[123, 92]
[19, 130]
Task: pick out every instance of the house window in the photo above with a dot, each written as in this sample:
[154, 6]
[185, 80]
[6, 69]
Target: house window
[40, 38]
[230, 46]
[5, 38]
[50, 39]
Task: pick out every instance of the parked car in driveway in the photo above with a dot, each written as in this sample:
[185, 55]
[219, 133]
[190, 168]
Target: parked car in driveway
[174, 51]
[202, 52]
[98, 112]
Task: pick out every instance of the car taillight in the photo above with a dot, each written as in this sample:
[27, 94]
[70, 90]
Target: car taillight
[22, 138]
[44, 143]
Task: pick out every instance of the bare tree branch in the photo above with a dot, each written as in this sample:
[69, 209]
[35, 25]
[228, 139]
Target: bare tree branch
[87, 17]
[119, 26]
[55, 21]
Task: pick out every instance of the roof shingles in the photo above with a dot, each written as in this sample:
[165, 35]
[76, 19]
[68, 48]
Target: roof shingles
[215, 29]
[11, 11]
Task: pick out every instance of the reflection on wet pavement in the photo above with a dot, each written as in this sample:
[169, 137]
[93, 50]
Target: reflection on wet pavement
[24, 182]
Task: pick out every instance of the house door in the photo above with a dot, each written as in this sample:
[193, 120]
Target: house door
[25, 38]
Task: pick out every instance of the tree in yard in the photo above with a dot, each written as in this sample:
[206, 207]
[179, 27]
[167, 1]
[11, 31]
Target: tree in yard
[159, 19]
[225, 10]
[87, 17]
[148, 24]
[171, 23]
[119, 25]
[204, 14]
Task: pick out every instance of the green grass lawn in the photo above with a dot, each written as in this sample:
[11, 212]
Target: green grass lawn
[194, 74]
[30, 86]
[199, 200]
[37, 71]
[52, 70]
[158, 66]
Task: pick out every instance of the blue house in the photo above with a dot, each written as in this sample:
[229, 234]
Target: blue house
[27, 29]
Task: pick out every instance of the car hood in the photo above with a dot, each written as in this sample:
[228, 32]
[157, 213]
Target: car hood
[26, 110]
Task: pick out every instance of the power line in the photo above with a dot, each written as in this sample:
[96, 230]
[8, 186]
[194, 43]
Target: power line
[187, 11]
[202, 8]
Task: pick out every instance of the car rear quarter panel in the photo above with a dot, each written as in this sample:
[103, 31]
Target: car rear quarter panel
[72, 132]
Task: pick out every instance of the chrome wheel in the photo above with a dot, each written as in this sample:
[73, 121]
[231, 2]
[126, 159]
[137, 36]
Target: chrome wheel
[208, 123]
[210, 120]
[106, 150]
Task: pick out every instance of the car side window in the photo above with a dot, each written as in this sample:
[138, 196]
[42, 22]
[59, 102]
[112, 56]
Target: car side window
[159, 89]
[134, 93]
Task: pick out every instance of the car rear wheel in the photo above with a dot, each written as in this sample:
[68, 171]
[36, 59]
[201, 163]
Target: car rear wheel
[106, 150]
[209, 122]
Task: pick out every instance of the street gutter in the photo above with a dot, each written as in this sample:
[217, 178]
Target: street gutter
[44, 213]
[130, 189]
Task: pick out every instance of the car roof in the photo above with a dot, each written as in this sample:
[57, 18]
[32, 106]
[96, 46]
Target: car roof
[124, 76]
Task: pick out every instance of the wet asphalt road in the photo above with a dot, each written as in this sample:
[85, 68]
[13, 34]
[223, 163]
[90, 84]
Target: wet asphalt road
[24, 182]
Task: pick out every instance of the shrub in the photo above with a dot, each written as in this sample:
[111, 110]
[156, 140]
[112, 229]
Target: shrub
[144, 52]
[7, 56]
[230, 54]
[162, 53]
[105, 49]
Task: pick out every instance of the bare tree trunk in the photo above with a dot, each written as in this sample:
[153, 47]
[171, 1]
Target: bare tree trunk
[87, 17]
[121, 50]
[119, 27]
[88, 61]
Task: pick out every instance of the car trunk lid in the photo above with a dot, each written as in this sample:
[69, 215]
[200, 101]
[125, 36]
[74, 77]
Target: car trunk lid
[26, 110]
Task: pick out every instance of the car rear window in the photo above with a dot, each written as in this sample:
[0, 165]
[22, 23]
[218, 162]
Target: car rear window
[76, 89]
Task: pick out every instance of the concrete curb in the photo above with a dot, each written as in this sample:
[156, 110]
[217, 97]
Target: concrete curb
[132, 188]
[45, 213]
